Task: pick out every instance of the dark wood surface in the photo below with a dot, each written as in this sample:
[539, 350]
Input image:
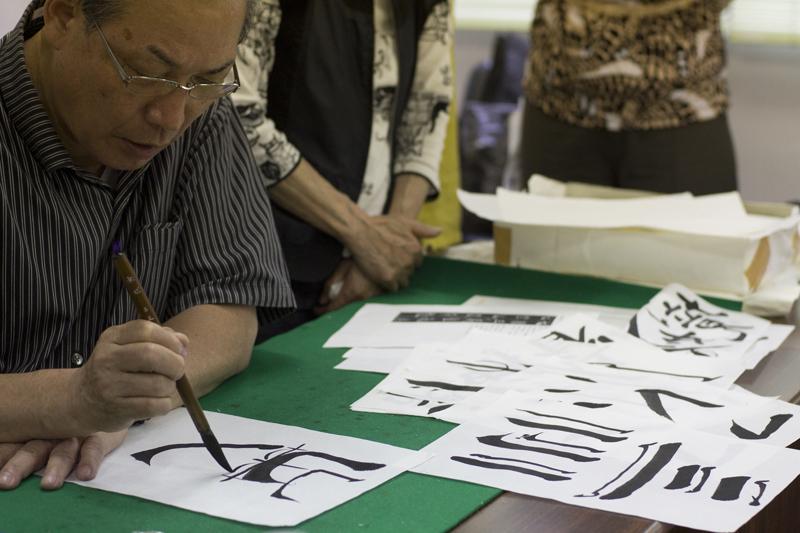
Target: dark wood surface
[776, 375]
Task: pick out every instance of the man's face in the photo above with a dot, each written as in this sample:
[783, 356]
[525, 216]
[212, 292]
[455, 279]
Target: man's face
[99, 120]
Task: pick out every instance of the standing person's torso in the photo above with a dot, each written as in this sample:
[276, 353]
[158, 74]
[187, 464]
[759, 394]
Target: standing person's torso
[628, 65]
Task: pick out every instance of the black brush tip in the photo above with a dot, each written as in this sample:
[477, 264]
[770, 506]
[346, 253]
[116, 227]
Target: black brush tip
[213, 447]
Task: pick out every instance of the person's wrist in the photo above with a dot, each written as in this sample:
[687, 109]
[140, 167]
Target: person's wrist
[355, 233]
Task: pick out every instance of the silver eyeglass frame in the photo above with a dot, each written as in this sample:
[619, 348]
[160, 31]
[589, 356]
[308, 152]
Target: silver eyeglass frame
[225, 88]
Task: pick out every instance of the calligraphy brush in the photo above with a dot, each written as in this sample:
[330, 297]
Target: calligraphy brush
[145, 309]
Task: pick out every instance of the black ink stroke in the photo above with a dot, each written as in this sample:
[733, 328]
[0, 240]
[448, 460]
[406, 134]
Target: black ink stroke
[580, 378]
[730, 488]
[662, 457]
[566, 429]
[762, 487]
[277, 456]
[653, 399]
[706, 470]
[590, 405]
[489, 366]
[497, 441]
[535, 438]
[147, 455]
[557, 335]
[775, 423]
[443, 385]
[683, 478]
[513, 468]
[545, 415]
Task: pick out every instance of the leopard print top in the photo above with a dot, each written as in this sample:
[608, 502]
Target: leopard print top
[628, 64]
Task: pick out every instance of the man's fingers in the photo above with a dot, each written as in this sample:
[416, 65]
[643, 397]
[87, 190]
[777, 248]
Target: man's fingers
[138, 331]
[60, 463]
[150, 358]
[143, 385]
[29, 458]
[94, 450]
[424, 231]
[333, 285]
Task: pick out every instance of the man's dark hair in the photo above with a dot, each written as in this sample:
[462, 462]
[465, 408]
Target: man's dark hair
[100, 11]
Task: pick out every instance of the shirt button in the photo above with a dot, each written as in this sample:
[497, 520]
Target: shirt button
[77, 359]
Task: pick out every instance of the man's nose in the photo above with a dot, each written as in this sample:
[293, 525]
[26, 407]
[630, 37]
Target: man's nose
[169, 112]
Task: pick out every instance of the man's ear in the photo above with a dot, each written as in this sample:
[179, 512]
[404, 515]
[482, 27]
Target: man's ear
[61, 18]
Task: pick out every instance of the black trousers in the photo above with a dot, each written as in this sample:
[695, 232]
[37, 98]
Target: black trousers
[307, 295]
[698, 158]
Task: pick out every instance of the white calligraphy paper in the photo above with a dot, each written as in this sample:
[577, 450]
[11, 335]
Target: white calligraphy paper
[680, 476]
[395, 326]
[677, 320]
[282, 475]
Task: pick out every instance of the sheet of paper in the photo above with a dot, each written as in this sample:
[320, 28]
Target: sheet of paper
[678, 320]
[438, 377]
[396, 326]
[732, 413]
[720, 215]
[679, 476]
[770, 341]
[282, 475]
[618, 317]
[380, 360]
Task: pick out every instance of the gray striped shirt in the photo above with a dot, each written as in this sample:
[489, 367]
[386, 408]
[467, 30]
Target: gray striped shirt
[195, 222]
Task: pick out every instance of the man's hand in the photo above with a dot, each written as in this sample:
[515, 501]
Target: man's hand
[58, 458]
[347, 284]
[130, 376]
[387, 249]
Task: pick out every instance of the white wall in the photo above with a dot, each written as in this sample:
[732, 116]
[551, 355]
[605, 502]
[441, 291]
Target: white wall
[10, 11]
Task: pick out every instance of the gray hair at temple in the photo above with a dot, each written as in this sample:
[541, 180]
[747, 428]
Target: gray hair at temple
[100, 11]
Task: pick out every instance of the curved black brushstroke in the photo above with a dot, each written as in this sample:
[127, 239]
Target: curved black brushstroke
[498, 367]
[597, 492]
[775, 423]
[730, 488]
[762, 486]
[662, 457]
[494, 466]
[633, 327]
[706, 474]
[566, 429]
[147, 455]
[653, 399]
[544, 415]
[535, 438]
[512, 460]
[561, 391]
[590, 405]
[279, 493]
[438, 408]
[683, 478]
[498, 442]
[612, 366]
[579, 378]
[444, 386]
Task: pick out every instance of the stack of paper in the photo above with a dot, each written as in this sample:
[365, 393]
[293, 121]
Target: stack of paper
[645, 421]
[710, 243]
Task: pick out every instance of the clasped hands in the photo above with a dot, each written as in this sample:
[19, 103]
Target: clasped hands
[130, 376]
[385, 251]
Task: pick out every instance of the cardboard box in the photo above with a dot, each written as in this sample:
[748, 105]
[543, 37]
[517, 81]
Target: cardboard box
[711, 264]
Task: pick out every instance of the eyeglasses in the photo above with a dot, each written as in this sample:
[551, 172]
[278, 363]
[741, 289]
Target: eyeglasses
[148, 86]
